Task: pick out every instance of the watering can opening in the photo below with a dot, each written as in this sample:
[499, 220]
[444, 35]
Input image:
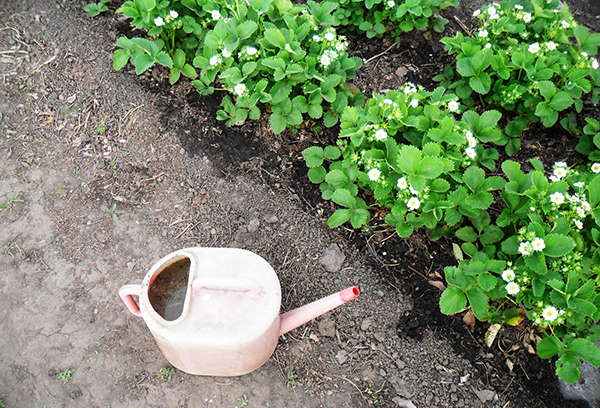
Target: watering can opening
[168, 290]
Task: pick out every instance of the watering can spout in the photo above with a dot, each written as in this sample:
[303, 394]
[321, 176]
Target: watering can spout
[297, 317]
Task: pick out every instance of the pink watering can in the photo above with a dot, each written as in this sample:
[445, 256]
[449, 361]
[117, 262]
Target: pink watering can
[215, 311]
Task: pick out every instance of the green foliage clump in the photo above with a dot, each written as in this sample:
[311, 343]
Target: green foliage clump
[376, 17]
[287, 58]
[414, 157]
[528, 57]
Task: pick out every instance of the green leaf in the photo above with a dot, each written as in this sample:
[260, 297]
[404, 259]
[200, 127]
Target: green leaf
[359, 217]
[586, 350]
[336, 178]
[481, 83]
[120, 59]
[558, 245]
[487, 281]
[479, 302]
[408, 159]
[343, 197]
[142, 62]
[474, 178]
[278, 123]
[548, 347]
[275, 37]
[491, 235]
[464, 67]
[430, 167]
[567, 368]
[317, 174]
[547, 89]
[453, 300]
[246, 29]
[339, 217]
[466, 234]
[332, 152]
[313, 156]
[561, 101]
[537, 262]
[163, 58]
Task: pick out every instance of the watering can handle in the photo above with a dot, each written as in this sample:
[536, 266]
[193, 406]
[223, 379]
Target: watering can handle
[231, 284]
[126, 293]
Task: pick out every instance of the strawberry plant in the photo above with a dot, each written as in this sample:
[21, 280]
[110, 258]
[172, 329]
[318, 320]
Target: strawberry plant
[377, 17]
[528, 57]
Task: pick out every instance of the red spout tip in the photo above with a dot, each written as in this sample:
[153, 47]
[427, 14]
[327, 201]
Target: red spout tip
[349, 294]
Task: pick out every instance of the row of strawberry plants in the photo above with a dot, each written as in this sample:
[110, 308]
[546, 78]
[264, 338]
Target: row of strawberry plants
[414, 154]
[285, 58]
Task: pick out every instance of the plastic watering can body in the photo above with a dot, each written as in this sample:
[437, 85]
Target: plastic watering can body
[226, 319]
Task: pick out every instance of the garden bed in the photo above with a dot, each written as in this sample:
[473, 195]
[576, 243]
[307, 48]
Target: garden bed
[182, 178]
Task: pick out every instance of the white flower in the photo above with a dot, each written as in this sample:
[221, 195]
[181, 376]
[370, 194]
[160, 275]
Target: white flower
[557, 198]
[550, 313]
[214, 60]
[538, 244]
[483, 33]
[491, 10]
[388, 101]
[158, 21]
[239, 89]
[471, 153]
[586, 206]
[226, 53]
[215, 14]
[518, 7]
[329, 36]
[412, 190]
[508, 275]
[316, 38]
[584, 54]
[391, 3]
[325, 60]
[595, 64]
[525, 248]
[565, 24]
[580, 212]
[533, 48]
[381, 134]
[374, 174]
[251, 51]
[173, 14]
[226, 20]
[402, 183]
[471, 140]
[527, 17]
[414, 102]
[579, 184]
[487, 45]
[339, 46]
[560, 164]
[452, 106]
[551, 45]
[476, 13]
[560, 172]
[512, 288]
[578, 224]
[413, 203]
[574, 198]
[494, 16]
[596, 168]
